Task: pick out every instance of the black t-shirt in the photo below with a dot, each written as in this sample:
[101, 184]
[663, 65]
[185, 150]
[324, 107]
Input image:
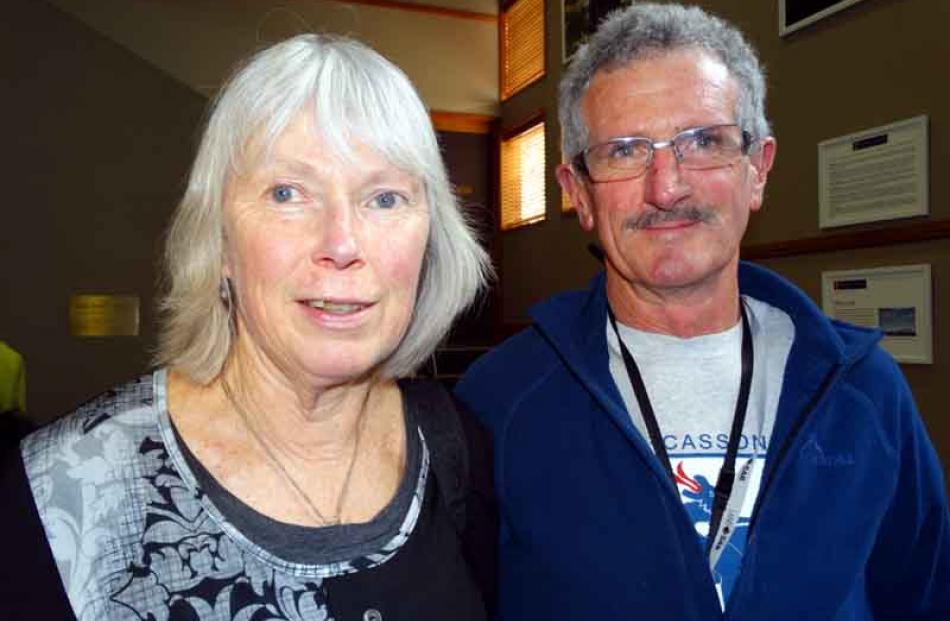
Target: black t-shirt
[322, 544]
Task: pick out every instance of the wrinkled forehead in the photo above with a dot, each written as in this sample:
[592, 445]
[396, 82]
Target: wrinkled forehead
[683, 65]
[684, 85]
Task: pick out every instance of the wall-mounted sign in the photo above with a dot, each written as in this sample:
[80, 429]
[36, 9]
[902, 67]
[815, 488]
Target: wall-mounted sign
[795, 14]
[895, 300]
[875, 174]
[103, 315]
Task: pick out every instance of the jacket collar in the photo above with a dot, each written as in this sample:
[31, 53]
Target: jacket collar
[824, 338]
[574, 324]
[822, 351]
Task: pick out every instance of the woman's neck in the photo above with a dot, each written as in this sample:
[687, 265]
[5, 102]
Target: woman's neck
[282, 450]
[306, 418]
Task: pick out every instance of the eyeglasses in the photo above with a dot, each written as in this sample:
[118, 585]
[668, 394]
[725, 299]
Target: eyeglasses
[697, 148]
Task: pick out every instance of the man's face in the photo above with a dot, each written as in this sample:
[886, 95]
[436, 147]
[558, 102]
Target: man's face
[670, 228]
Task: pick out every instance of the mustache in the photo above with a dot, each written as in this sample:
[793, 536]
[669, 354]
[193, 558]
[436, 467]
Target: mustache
[690, 213]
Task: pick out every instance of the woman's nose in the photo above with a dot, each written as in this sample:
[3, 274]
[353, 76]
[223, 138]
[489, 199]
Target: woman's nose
[338, 240]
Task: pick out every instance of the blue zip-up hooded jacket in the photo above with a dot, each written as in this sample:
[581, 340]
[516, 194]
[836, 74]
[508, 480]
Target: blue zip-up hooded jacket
[851, 521]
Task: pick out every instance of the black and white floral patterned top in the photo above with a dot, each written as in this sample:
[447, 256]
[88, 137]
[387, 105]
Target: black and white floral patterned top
[134, 537]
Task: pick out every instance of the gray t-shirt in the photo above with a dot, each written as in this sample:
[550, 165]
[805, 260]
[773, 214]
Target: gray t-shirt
[693, 384]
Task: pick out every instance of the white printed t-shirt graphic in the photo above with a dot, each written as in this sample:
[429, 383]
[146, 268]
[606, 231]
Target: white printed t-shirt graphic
[693, 385]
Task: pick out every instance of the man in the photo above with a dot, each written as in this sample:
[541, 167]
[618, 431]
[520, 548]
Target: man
[690, 438]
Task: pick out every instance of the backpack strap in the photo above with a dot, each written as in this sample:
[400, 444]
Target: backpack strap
[461, 458]
[437, 415]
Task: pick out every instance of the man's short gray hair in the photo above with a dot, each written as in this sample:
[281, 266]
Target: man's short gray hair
[645, 30]
[355, 97]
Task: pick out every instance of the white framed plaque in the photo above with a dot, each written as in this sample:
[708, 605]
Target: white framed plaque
[875, 174]
[895, 300]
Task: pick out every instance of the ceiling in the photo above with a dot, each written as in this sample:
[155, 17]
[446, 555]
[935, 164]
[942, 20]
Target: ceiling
[477, 6]
[451, 58]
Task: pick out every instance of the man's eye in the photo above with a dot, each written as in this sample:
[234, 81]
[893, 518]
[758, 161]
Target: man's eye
[622, 150]
[706, 140]
[628, 150]
[283, 193]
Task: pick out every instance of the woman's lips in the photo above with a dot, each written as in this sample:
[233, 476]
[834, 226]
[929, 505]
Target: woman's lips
[336, 307]
[336, 313]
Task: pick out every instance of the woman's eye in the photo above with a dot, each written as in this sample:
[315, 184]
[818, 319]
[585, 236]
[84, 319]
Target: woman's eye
[283, 193]
[387, 200]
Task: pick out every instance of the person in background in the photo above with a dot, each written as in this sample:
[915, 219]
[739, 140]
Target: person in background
[12, 380]
[14, 424]
[690, 437]
[277, 465]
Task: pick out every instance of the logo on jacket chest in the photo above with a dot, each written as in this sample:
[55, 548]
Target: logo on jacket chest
[812, 452]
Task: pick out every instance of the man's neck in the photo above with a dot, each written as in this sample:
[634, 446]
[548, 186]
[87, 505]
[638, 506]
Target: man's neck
[683, 312]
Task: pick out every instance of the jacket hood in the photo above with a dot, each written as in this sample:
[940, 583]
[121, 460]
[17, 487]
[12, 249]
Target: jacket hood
[574, 325]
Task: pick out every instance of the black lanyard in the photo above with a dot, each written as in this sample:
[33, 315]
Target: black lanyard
[727, 474]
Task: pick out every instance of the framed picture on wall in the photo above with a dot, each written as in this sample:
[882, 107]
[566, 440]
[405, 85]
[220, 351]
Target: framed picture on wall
[897, 300]
[796, 14]
[575, 25]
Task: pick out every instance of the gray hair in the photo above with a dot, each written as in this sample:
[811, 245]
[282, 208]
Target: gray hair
[356, 96]
[645, 30]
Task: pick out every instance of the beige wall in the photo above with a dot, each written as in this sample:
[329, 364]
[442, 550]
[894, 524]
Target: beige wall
[97, 145]
[880, 61]
[452, 61]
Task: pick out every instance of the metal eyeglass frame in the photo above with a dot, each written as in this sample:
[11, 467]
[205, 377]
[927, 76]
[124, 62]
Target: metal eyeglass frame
[580, 163]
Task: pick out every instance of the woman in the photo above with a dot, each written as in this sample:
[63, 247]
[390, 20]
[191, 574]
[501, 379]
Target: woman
[273, 467]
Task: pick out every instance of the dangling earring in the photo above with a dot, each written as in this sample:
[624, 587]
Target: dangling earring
[224, 292]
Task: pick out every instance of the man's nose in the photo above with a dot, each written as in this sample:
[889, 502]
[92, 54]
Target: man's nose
[664, 185]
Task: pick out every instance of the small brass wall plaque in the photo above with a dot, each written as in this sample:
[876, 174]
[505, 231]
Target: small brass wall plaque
[103, 315]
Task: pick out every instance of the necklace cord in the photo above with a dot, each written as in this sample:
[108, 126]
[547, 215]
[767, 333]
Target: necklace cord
[278, 466]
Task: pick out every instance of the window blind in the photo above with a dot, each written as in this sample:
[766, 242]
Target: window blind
[522, 178]
[522, 46]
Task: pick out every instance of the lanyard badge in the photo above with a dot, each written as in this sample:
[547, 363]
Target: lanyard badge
[727, 474]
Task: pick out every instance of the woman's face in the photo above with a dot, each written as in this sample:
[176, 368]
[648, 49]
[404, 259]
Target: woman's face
[324, 255]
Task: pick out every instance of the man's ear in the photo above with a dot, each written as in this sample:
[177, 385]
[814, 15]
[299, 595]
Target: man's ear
[761, 161]
[576, 189]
